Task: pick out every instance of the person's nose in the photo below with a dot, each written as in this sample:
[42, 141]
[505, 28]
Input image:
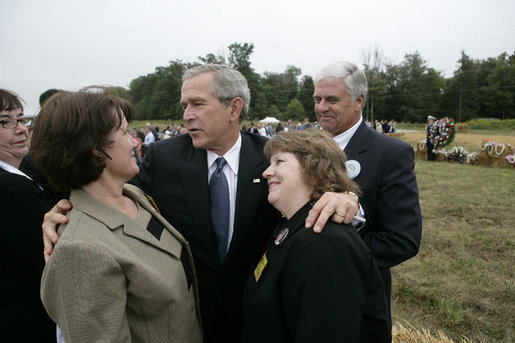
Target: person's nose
[188, 114]
[322, 106]
[20, 128]
[134, 142]
[268, 172]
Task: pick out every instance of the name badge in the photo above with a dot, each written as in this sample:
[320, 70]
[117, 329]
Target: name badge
[260, 267]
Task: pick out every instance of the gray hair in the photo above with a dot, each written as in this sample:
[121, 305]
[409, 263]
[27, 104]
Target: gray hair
[227, 84]
[353, 77]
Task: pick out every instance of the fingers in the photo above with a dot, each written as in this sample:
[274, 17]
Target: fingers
[63, 206]
[341, 208]
[51, 221]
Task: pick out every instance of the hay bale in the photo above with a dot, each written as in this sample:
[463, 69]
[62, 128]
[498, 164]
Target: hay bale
[396, 134]
[462, 127]
[421, 150]
[494, 154]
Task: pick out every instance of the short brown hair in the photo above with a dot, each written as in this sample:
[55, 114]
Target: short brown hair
[322, 160]
[71, 128]
[10, 101]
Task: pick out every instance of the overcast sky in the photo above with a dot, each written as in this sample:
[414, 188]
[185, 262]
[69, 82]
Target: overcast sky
[71, 44]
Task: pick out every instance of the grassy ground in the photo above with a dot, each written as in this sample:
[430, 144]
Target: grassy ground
[462, 281]
[461, 284]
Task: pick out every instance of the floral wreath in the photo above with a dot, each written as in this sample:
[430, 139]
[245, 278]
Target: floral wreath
[442, 132]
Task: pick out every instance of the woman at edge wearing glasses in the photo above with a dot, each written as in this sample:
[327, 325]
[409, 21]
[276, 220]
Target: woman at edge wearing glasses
[22, 207]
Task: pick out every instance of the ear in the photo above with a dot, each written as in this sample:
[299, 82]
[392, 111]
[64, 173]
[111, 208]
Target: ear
[358, 104]
[236, 106]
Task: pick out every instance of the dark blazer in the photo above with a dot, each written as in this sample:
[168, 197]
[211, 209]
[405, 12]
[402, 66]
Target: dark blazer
[22, 207]
[390, 196]
[315, 288]
[28, 166]
[175, 174]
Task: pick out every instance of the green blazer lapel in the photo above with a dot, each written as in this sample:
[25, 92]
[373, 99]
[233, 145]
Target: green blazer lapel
[165, 242]
[114, 219]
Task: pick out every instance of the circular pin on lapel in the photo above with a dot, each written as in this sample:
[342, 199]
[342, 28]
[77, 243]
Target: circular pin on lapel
[353, 168]
[281, 236]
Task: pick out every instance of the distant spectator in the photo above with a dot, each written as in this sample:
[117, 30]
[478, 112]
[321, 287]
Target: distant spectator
[279, 127]
[262, 130]
[253, 130]
[429, 144]
[269, 130]
[306, 124]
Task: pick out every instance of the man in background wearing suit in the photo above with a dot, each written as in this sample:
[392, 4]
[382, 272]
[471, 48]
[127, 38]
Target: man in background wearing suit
[177, 173]
[382, 166]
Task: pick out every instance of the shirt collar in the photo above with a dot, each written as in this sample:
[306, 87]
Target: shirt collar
[232, 156]
[11, 169]
[343, 138]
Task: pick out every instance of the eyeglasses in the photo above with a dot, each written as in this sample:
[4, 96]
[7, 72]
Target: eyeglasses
[12, 123]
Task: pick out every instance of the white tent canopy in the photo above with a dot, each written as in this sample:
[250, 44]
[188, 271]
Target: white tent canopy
[269, 120]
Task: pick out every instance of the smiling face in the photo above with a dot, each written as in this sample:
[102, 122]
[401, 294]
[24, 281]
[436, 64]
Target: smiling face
[334, 107]
[122, 165]
[287, 190]
[211, 124]
[13, 142]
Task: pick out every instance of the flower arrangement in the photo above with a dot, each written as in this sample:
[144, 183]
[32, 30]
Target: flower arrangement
[494, 148]
[511, 158]
[458, 154]
[442, 132]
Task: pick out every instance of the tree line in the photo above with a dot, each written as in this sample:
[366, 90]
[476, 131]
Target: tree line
[407, 91]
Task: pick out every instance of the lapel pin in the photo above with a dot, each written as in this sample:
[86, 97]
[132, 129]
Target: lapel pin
[256, 180]
[353, 168]
[281, 236]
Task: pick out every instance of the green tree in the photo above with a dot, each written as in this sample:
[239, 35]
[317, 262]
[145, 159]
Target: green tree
[498, 93]
[273, 111]
[306, 90]
[239, 59]
[294, 111]
[373, 67]
[412, 86]
[212, 59]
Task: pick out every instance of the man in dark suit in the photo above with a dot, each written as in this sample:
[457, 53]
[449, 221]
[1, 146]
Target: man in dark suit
[382, 166]
[177, 173]
[213, 122]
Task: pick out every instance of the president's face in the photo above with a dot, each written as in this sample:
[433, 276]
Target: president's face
[208, 120]
[335, 110]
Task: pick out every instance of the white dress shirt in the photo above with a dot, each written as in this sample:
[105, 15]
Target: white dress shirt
[343, 138]
[230, 171]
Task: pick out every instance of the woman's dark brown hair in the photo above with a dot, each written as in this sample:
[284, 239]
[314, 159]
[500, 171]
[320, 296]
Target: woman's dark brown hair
[71, 129]
[322, 160]
[10, 101]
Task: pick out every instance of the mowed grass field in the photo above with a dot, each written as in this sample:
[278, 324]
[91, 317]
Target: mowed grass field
[462, 280]
[461, 283]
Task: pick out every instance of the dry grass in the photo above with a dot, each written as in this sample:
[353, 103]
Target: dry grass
[462, 281]
[469, 140]
[408, 334]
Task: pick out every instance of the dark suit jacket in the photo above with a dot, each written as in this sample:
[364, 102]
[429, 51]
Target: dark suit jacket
[390, 196]
[316, 288]
[175, 174]
[22, 207]
[28, 166]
